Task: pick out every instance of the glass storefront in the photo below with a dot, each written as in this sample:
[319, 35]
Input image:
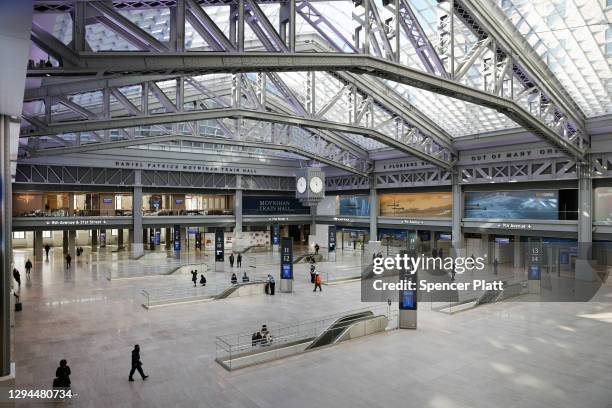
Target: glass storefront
[187, 204]
[93, 204]
[396, 240]
[63, 204]
[353, 239]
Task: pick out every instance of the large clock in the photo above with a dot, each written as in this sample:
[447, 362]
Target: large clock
[310, 186]
[316, 184]
[301, 185]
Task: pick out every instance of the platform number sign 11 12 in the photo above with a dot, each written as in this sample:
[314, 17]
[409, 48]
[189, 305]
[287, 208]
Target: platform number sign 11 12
[286, 259]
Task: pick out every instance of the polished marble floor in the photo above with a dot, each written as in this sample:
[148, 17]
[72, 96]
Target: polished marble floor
[510, 354]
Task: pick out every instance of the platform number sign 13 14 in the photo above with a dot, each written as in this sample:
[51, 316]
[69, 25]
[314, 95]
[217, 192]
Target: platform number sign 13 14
[535, 261]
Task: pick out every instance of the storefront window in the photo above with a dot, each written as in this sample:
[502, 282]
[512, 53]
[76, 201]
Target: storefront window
[187, 204]
[78, 204]
[353, 239]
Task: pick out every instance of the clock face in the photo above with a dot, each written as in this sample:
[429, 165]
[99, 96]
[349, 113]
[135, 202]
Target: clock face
[301, 185]
[316, 185]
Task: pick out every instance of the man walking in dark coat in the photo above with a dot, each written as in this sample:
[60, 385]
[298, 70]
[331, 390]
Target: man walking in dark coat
[136, 364]
[28, 266]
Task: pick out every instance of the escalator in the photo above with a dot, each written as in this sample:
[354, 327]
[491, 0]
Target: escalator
[300, 258]
[287, 343]
[247, 249]
[230, 290]
[489, 296]
[336, 329]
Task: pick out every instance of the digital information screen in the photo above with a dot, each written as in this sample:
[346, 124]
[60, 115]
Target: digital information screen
[331, 238]
[286, 266]
[408, 298]
[219, 246]
[177, 238]
[275, 234]
[157, 236]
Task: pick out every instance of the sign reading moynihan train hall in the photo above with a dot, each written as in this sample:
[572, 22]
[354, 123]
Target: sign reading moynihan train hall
[266, 205]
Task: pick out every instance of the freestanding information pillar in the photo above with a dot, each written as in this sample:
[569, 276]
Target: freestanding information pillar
[534, 272]
[407, 318]
[408, 303]
[286, 265]
[219, 250]
[177, 237]
[275, 237]
[331, 243]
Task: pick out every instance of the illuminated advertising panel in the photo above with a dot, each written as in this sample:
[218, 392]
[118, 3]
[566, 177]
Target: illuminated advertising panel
[435, 204]
[523, 204]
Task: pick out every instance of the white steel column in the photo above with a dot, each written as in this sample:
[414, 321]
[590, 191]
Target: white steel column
[238, 207]
[137, 245]
[584, 270]
[457, 236]
[373, 210]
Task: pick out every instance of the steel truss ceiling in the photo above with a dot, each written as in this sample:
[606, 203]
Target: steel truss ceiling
[499, 70]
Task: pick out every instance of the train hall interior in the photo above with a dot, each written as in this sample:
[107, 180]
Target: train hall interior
[306, 203]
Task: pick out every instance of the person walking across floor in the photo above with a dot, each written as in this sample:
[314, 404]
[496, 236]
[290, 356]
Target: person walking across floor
[239, 261]
[28, 266]
[231, 260]
[317, 283]
[194, 278]
[312, 273]
[68, 260]
[47, 249]
[317, 247]
[62, 376]
[495, 266]
[17, 277]
[136, 364]
[202, 280]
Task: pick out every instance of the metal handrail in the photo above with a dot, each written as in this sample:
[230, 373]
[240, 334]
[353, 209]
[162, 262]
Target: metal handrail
[300, 331]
